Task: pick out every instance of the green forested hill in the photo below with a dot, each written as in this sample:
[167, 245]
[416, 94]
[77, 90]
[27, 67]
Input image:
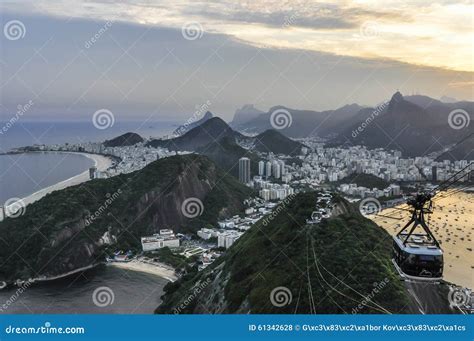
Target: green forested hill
[56, 234]
[330, 267]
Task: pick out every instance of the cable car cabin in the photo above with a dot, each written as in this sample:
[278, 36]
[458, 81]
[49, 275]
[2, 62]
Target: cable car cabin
[417, 259]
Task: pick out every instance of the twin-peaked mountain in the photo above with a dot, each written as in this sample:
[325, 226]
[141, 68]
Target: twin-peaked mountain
[217, 140]
[215, 129]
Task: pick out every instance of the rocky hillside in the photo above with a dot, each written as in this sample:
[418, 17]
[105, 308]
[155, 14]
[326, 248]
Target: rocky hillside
[74, 227]
[283, 265]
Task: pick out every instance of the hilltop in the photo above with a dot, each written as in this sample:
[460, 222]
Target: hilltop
[277, 143]
[182, 129]
[56, 234]
[127, 139]
[324, 268]
[209, 131]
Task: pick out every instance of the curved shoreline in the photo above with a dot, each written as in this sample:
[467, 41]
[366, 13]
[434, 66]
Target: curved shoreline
[101, 162]
[156, 269]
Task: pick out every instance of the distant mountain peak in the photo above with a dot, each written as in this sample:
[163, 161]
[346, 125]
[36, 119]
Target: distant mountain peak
[193, 122]
[397, 97]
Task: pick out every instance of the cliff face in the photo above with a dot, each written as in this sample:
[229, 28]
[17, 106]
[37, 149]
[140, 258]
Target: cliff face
[75, 227]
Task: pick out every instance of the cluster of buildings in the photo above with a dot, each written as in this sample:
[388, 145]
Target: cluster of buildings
[353, 190]
[273, 168]
[268, 191]
[128, 158]
[166, 238]
[229, 230]
[322, 164]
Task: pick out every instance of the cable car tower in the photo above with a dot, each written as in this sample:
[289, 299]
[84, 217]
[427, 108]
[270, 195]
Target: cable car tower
[418, 256]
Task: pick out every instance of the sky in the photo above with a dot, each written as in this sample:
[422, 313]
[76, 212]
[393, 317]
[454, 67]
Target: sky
[164, 59]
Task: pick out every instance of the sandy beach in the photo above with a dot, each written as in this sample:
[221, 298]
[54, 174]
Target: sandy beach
[452, 224]
[101, 162]
[147, 267]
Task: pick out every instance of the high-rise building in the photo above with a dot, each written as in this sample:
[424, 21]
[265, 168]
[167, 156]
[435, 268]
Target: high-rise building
[276, 170]
[244, 170]
[434, 173]
[261, 168]
[92, 171]
[282, 167]
[268, 170]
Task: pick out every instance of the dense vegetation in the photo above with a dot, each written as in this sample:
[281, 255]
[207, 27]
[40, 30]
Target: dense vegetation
[226, 154]
[56, 234]
[365, 180]
[127, 139]
[328, 267]
[277, 143]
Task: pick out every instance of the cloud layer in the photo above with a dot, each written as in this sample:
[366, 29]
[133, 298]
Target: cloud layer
[438, 34]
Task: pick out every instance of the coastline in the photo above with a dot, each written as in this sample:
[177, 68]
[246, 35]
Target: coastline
[101, 162]
[157, 269]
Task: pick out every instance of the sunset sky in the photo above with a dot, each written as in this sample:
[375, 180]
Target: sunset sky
[302, 54]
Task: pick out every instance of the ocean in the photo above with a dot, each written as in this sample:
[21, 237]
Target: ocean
[24, 174]
[102, 290]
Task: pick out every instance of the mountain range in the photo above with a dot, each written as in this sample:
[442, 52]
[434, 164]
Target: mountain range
[217, 140]
[415, 125]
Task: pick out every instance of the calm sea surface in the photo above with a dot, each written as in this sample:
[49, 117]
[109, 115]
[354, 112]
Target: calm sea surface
[24, 174]
[118, 291]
